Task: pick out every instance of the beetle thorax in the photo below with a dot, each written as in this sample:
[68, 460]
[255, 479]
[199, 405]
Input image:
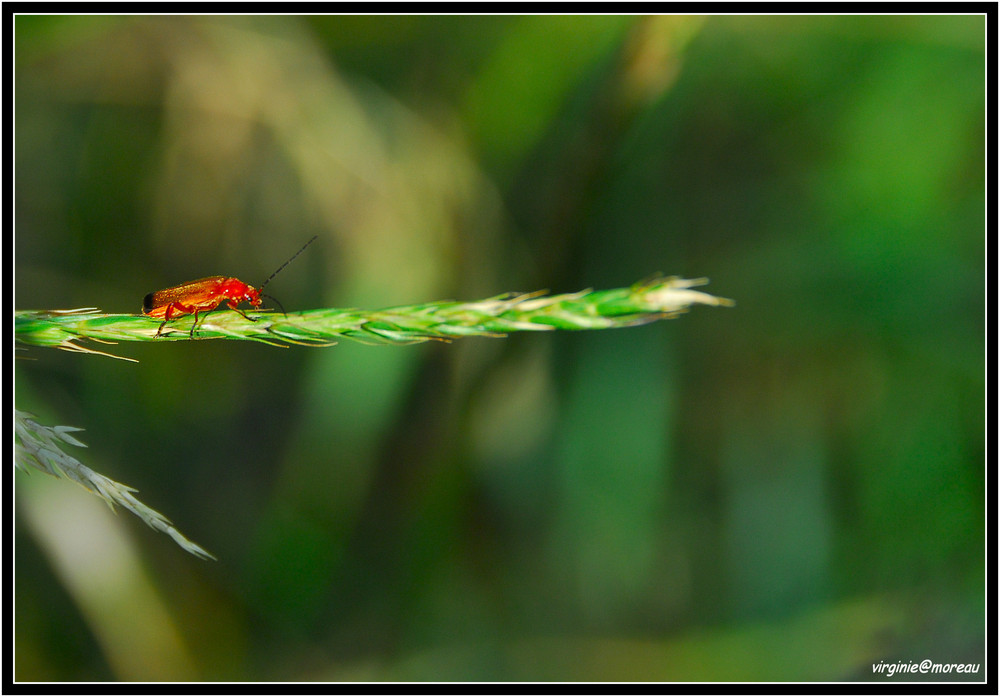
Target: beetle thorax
[235, 289]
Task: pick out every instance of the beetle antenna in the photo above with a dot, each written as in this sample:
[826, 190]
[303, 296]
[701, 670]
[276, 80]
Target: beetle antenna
[286, 264]
[264, 295]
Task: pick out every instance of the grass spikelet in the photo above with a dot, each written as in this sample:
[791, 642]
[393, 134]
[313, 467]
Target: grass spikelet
[40, 447]
[651, 300]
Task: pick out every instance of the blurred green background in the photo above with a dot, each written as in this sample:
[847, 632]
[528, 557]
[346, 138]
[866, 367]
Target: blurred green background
[792, 489]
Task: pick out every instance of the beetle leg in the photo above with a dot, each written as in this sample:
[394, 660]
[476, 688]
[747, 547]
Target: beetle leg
[233, 306]
[206, 310]
[194, 324]
[181, 310]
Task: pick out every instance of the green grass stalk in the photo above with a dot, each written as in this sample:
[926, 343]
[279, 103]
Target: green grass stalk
[647, 301]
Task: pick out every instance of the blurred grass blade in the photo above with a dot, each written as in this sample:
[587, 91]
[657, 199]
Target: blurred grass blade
[40, 448]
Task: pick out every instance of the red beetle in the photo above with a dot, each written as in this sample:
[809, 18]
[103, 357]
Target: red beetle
[205, 295]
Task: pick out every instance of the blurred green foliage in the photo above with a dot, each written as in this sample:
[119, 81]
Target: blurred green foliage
[789, 490]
